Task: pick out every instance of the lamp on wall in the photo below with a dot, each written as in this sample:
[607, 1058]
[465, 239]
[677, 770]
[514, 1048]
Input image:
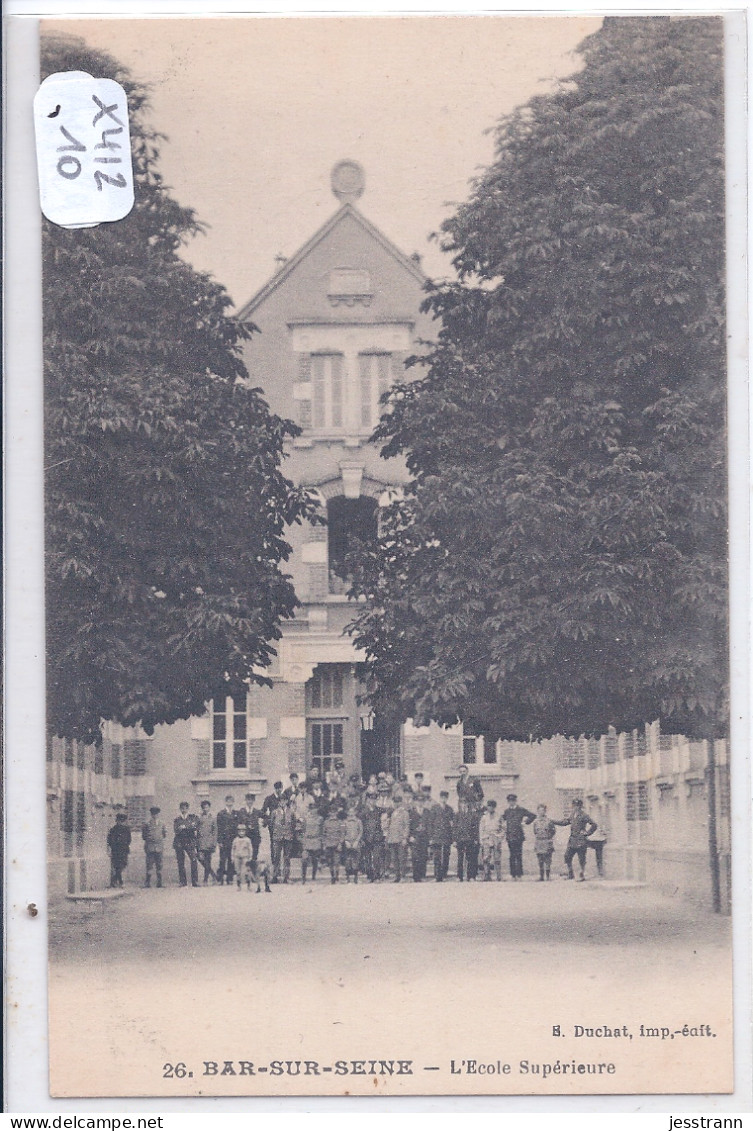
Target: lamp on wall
[367, 720]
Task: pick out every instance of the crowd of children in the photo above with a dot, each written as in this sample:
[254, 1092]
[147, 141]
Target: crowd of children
[379, 830]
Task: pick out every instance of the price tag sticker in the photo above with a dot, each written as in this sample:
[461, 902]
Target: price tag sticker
[83, 150]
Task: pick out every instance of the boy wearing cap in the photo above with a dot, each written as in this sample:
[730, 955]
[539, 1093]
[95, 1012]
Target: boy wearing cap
[543, 844]
[119, 846]
[490, 839]
[515, 817]
[185, 829]
[153, 834]
[352, 840]
[227, 824]
[311, 835]
[206, 838]
[241, 852]
[250, 816]
[333, 837]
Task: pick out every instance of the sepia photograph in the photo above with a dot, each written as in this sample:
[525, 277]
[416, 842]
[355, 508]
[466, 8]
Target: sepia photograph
[387, 547]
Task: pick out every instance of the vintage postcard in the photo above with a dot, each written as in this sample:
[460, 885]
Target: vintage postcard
[386, 552]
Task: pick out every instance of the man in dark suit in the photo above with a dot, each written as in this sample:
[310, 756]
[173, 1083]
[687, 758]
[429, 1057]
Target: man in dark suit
[515, 817]
[420, 831]
[186, 829]
[442, 821]
[227, 823]
[272, 803]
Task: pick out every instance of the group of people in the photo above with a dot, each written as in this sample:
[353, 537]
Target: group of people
[382, 829]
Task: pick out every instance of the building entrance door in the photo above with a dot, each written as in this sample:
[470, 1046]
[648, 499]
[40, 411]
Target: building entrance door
[380, 747]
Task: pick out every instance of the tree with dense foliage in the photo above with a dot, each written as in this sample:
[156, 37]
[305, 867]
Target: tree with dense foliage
[166, 506]
[559, 560]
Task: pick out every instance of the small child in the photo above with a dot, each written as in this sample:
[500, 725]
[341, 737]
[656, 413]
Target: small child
[543, 831]
[352, 836]
[241, 853]
[333, 832]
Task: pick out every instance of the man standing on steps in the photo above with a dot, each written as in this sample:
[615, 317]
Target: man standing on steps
[515, 817]
[469, 789]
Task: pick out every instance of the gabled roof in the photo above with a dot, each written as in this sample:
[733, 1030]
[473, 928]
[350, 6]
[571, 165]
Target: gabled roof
[290, 266]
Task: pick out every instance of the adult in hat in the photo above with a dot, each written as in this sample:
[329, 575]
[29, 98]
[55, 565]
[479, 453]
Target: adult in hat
[581, 828]
[441, 835]
[207, 839]
[420, 835]
[515, 818]
[227, 823]
[119, 846]
[153, 834]
[185, 830]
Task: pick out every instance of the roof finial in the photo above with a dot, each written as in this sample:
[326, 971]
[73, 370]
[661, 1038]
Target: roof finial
[348, 181]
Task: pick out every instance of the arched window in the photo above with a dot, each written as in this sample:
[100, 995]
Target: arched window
[350, 522]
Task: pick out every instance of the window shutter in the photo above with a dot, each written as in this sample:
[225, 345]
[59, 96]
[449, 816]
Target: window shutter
[303, 377]
[337, 390]
[384, 366]
[398, 371]
[364, 361]
[317, 374]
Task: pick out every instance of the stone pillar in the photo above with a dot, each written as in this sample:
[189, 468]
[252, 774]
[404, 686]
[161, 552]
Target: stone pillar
[293, 721]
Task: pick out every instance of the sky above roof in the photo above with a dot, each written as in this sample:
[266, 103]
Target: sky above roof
[258, 110]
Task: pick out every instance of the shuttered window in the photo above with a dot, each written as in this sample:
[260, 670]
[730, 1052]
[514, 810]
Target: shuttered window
[302, 391]
[327, 391]
[376, 376]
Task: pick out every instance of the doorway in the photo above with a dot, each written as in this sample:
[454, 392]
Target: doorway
[380, 747]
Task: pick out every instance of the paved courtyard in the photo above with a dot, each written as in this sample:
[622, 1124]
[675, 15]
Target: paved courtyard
[440, 976]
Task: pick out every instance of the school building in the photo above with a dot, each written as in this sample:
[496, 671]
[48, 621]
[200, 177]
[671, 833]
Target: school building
[338, 320]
